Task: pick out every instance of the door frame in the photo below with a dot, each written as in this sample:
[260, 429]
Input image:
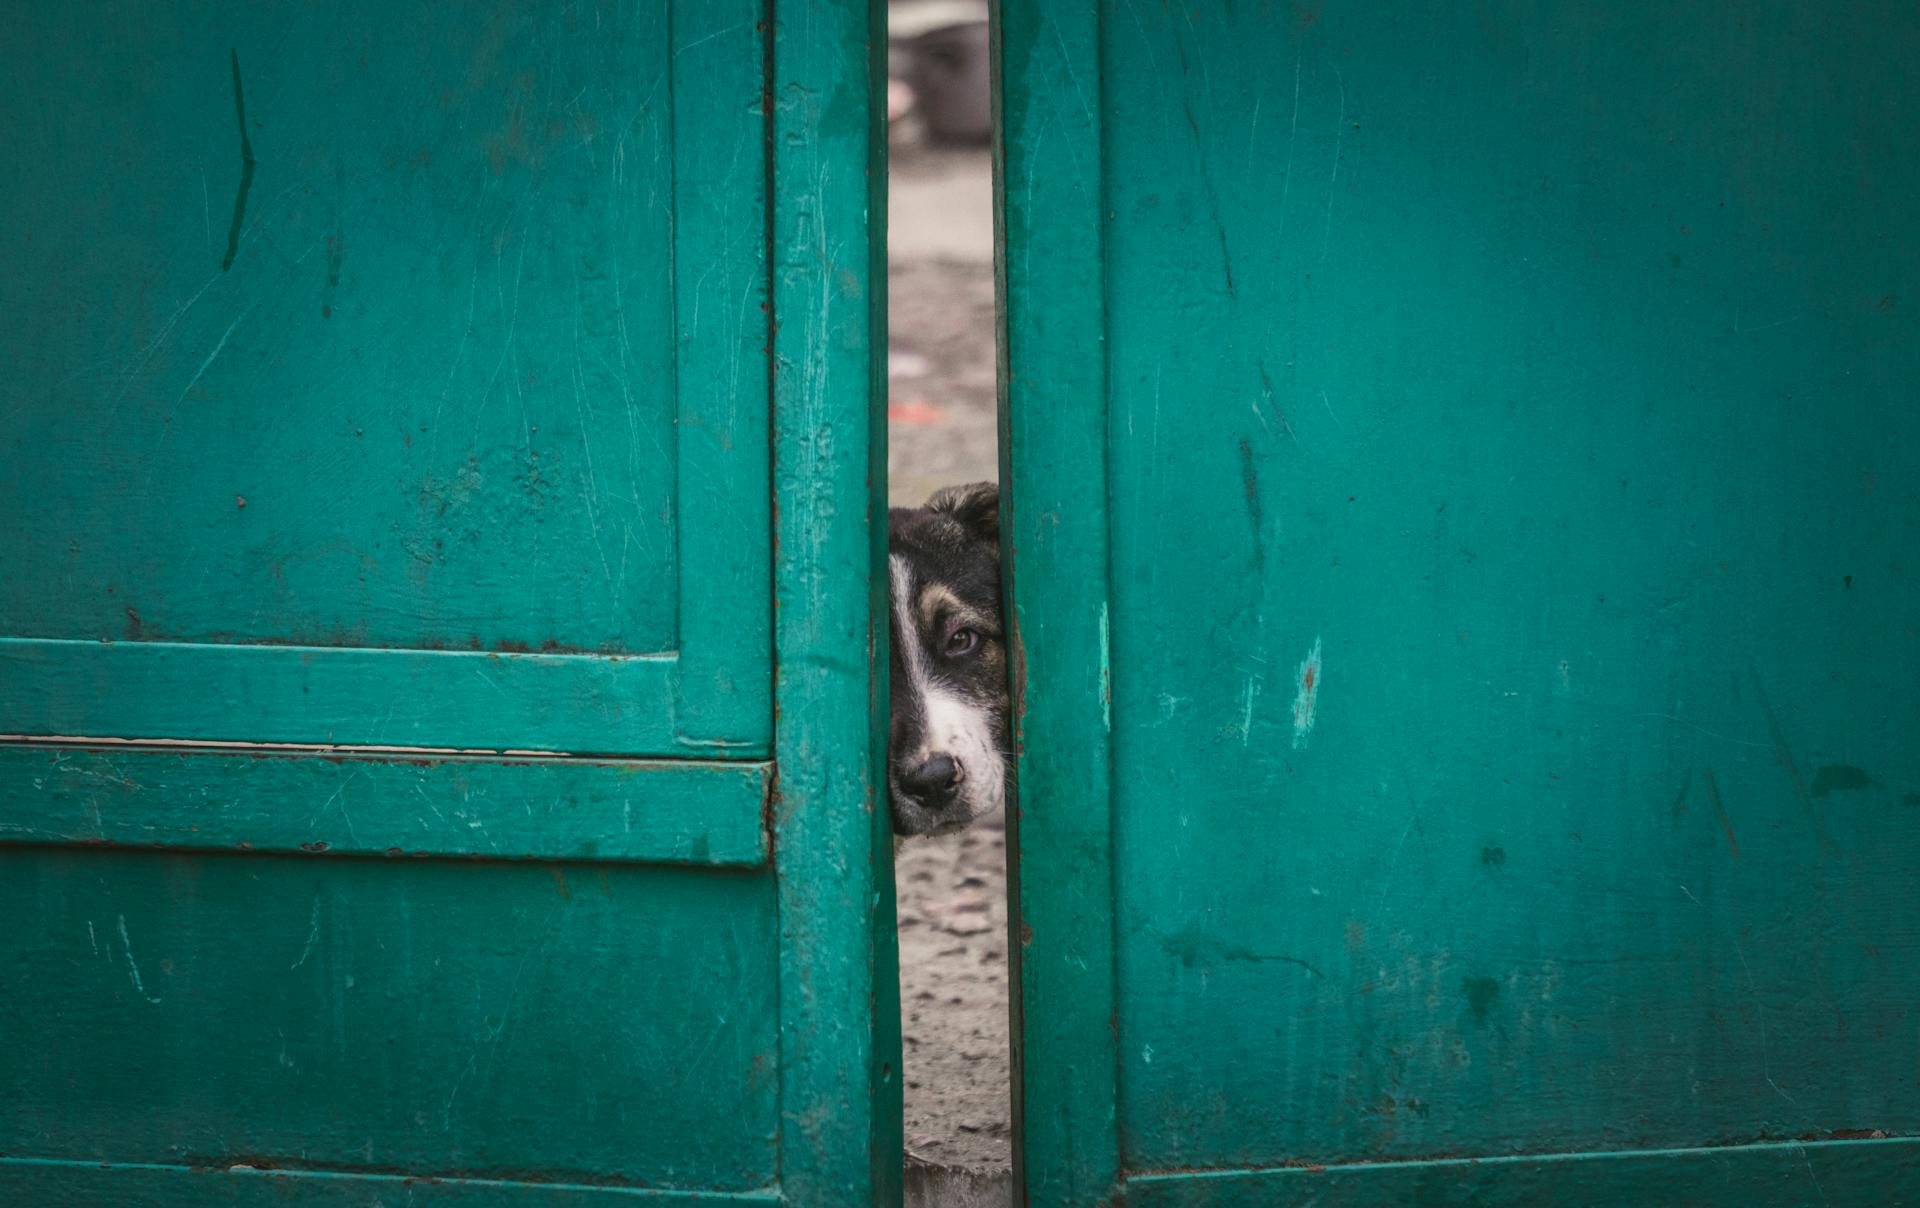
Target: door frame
[1048, 212]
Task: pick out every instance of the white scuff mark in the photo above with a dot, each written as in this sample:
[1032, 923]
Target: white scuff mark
[208, 363]
[1246, 708]
[1170, 707]
[1328, 404]
[1339, 129]
[145, 355]
[1106, 671]
[1146, 1054]
[1307, 697]
[93, 941]
[325, 805]
[431, 806]
[133, 967]
[313, 936]
[1293, 135]
[702, 41]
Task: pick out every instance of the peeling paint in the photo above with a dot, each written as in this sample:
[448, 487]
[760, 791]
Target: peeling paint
[1307, 698]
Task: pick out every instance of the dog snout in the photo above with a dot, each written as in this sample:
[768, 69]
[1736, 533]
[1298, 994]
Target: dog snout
[934, 780]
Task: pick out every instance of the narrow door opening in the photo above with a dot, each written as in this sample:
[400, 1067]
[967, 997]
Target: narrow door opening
[942, 432]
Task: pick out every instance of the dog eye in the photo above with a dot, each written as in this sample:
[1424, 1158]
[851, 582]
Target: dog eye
[962, 641]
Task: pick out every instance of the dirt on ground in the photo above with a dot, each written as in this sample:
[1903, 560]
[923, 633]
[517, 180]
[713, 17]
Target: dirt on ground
[952, 905]
[940, 404]
[952, 891]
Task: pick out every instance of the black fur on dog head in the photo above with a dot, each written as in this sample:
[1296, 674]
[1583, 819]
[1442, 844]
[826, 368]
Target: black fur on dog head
[948, 754]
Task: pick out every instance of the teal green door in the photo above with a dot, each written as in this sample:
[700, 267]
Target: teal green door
[1461, 471]
[429, 761]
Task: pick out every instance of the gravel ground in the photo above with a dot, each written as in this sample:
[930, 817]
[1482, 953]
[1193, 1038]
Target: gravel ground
[940, 409]
[952, 891]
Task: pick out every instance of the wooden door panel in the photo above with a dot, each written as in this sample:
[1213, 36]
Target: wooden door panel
[1461, 491]
[594, 1023]
[334, 333]
[392, 807]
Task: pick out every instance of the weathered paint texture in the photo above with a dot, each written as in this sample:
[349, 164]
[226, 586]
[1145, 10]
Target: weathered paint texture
[468, 410]
[1545, 373]
[438, 556]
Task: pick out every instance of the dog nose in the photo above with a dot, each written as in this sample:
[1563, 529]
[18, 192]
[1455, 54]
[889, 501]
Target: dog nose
[933, 780]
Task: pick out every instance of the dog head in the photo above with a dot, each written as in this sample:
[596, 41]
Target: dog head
[947, 756]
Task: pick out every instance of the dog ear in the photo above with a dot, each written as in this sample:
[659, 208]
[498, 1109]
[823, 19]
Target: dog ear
[975, 506]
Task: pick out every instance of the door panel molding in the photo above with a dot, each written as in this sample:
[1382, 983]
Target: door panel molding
[344, 696]
[49, 1181]
[1781, 1174]
[705, 812]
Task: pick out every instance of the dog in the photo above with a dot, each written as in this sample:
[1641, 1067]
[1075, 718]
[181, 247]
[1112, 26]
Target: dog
[949, 753]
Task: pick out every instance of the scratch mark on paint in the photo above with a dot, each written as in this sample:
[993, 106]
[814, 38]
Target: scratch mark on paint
[1066, 60]
[1266, 392]
[1703, 730]
[1339, 128]
[1106, 673]
[1328, 404]
[702, 41]
[246, 169]
[591, 487]
[1720, 812]
[1246, 708]
[432, 807]
[145, 355]
[338, 795]
[1250, 481]
[1293, 133]
[1213, 196]
[93, 940]
[1825, 1202]
[1784, 754]
[313, 936]
[1780, 750]
[459, 357]
[1307, 698]
[133, 967]
[208, 363]
[1759, 1012]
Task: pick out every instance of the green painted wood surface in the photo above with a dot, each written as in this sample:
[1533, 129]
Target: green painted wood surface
[1510, 516]
[840, 1019]
[396, 804]
[469, 699]
[1813, 1174]
[572, 1022]
[341, 328]
[1053, 476]
[453, 477]
[153, 1185]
